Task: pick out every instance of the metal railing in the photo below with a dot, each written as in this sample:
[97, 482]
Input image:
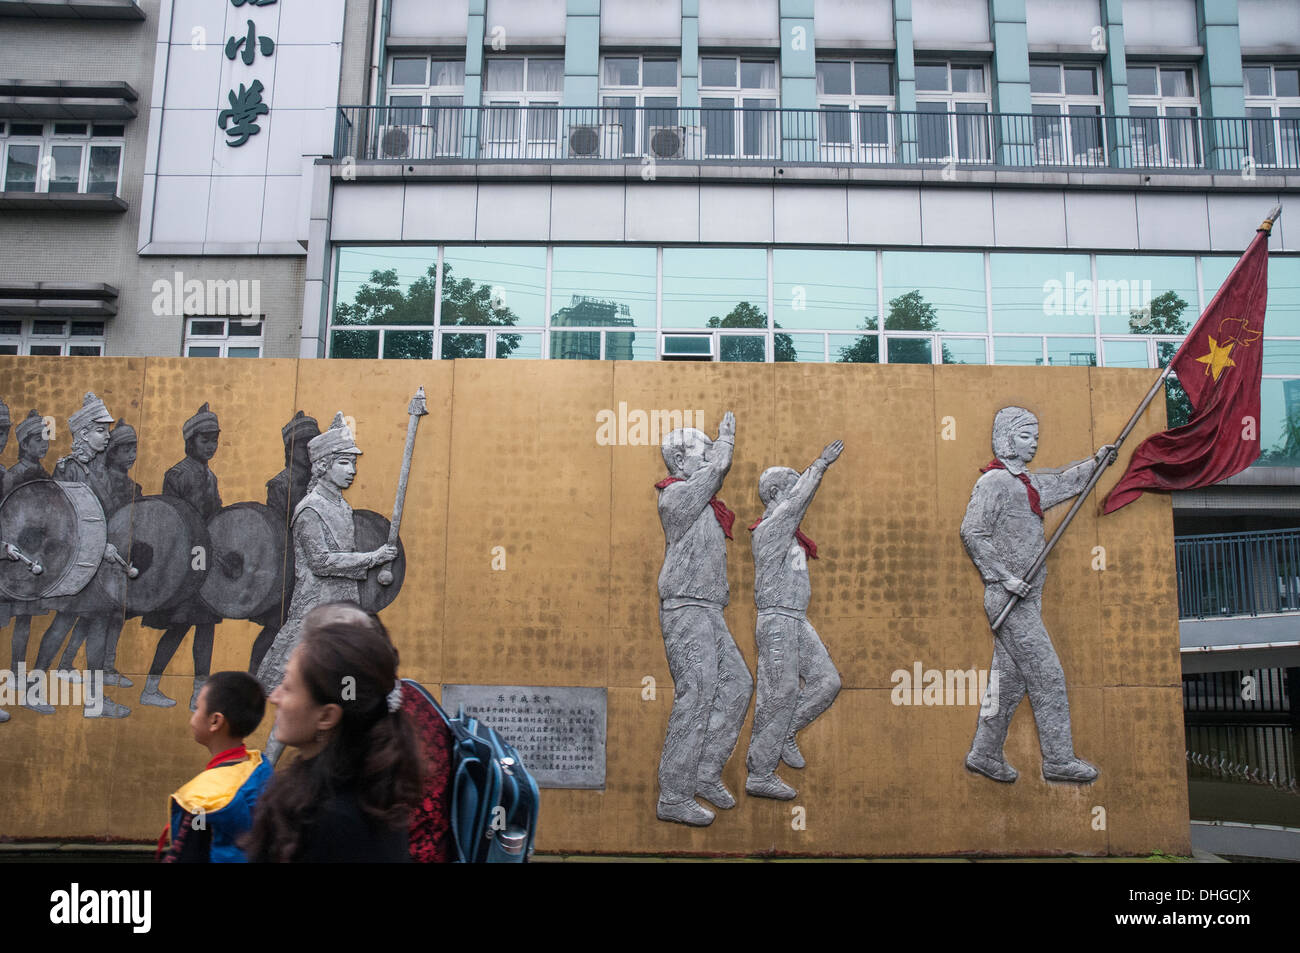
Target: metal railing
[1224, 693]
[827, 136]
[1230, 574]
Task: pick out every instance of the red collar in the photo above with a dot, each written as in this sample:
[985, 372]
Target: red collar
[1035, 502]
[808, 545]
[231, 754]
[724, 516]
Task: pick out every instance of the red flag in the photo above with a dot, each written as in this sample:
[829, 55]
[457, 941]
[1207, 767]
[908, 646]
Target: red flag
[1219, 365]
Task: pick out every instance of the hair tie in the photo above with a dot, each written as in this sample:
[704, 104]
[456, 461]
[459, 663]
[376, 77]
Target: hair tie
[395, 697]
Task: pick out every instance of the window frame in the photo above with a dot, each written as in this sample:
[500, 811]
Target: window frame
[857, 104]
[224, 341]
[610, 113]
[1280, 134]
[1155, 123]
[1061, 148]
[743, 116]
[976, 126]
[27, 337]
[511, 117]
[50, 139]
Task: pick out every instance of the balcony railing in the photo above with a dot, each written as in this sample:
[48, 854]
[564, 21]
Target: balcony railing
[1230, 574]
[863, 137]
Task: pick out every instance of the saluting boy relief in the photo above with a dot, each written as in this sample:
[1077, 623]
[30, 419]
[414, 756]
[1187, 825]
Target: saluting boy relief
[789, 649]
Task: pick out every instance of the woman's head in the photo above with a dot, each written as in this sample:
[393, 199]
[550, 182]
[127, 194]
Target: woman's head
[334, 707]
[338, 679]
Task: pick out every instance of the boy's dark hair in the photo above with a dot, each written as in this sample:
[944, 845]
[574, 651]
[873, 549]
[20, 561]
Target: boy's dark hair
[238, 696]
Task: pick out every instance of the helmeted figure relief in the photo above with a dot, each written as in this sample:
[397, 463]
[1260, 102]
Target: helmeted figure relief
[1003, 534]
[789, 649]
[87, 607]
[326, 566]
[32, 448]
[284, 492]
[121, 492]
[191, 481]
[711, 685]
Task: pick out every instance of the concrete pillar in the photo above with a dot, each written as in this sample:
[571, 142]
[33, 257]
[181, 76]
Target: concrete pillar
[905, 96]
[1114, 83]
[474, 35]
[691, 58]
[1226, 143]
[581, 53]
[1014, 133]
[799, 130]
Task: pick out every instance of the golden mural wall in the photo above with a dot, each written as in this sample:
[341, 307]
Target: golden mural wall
[510, 455]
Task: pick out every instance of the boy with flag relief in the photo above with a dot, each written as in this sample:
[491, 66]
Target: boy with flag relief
[1220, 367]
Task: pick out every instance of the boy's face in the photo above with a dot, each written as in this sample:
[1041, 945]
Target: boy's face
[35, 447]
[205, 444]
[1025, 442]
[200, 721]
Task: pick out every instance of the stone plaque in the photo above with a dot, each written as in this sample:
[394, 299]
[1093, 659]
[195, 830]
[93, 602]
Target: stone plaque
[559, 732]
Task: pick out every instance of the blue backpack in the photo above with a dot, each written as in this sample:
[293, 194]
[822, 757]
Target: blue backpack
[494, 799]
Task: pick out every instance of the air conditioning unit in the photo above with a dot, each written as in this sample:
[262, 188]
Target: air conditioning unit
[597, 141]
[394, 142]
[675, 142]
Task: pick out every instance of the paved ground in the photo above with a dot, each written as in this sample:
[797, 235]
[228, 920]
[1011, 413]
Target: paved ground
[29, 853]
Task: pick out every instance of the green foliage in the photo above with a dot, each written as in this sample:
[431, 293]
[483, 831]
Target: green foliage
[907, 312]
[1166, 317]
[752, 349]
[380, 300]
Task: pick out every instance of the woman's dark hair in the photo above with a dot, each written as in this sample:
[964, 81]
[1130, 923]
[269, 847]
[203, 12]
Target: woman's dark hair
[346, 658]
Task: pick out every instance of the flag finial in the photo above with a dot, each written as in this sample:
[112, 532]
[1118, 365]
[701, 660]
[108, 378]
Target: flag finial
[1266, 226]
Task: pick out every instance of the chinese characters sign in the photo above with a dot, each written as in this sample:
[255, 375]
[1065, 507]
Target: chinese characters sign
[558, 732]
[239, 121]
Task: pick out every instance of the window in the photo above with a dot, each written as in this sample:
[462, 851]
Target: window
[430, 92]
[1067, 114]
[78, 157]
[855, 97]
[644, 86]
[52, 337]
[524, 119]
[1163, 103]
[952, 102]
[1273, 112]
[738, 99]
[224, 337]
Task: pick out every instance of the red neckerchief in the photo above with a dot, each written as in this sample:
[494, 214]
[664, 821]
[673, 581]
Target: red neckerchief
[1034, 501]
[232, 754]
[808, 545]
[725, 517]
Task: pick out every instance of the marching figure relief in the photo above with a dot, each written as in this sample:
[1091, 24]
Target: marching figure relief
[191, 481]
[284, 492]
[32, 448]
[1003, 534]
[788, 646]
[711, 683]
[86, 496]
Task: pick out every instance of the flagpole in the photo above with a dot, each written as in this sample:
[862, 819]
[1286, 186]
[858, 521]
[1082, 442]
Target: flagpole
[1101, 467]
